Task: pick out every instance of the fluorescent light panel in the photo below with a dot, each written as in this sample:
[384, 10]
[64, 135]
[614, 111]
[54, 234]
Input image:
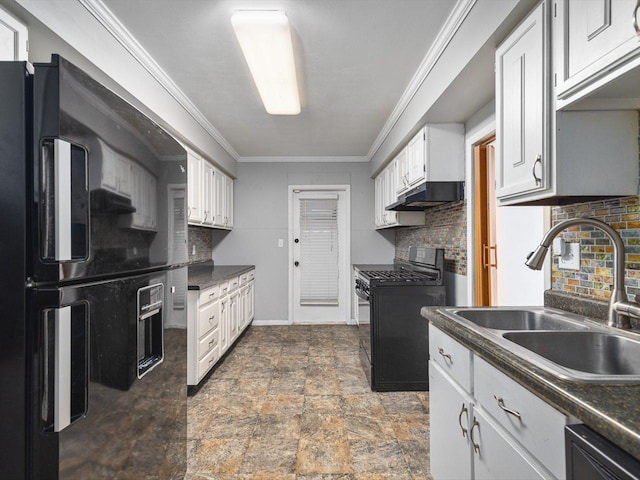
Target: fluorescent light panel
[265, 39]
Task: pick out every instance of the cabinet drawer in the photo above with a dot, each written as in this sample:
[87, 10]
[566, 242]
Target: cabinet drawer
[244, 278]
[454, 358]
[233, 283]
[497, 457]
[539, 427]
[208, 295]
[223, 289]
[208, 343]
[252, 275]
[208, 361]
[208, 318]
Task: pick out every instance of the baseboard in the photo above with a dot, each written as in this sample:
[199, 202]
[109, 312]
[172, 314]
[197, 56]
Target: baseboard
[264, 323]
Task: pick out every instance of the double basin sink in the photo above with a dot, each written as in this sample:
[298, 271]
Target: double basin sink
[559, 342]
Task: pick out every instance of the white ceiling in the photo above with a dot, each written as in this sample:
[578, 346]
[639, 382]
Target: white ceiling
[355, 59]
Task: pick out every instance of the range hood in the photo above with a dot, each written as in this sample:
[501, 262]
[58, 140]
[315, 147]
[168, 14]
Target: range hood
[429, 194]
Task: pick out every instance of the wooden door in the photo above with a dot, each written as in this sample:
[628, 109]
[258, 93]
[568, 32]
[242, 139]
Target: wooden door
[485, 245]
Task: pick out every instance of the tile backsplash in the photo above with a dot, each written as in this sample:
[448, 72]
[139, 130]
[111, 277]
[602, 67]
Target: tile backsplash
[446, 227]
[200, 238]
[595, 277]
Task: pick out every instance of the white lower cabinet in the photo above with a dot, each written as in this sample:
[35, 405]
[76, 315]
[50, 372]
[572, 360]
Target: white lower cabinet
[496, 457]
[450, 419]
[484, 425]
[217, 316]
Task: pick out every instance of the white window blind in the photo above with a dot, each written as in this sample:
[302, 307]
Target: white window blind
[319, 253]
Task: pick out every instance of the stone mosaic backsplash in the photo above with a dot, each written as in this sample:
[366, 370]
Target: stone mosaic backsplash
[446, 227]
[202, 239]
[595, 277]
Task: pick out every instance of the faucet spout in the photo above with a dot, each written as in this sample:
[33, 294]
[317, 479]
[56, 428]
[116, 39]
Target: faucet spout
[619, 311]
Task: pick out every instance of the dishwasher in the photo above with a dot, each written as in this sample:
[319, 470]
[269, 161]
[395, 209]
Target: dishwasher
[592, 457]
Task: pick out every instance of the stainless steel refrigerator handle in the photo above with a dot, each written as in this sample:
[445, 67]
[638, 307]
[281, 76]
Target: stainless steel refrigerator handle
[62, 379]
[62, 196]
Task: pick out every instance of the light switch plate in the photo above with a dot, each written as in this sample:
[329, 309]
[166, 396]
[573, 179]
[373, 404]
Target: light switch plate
[571, 259]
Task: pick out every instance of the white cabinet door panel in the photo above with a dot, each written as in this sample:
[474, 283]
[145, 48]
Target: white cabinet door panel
[523, 165]
[497, 459]
[450, 410]
[596, 29]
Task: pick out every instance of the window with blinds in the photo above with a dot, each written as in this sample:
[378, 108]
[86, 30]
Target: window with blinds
[319, 255]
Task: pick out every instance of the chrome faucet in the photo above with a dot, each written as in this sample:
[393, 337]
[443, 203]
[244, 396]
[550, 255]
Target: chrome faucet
[620, 308]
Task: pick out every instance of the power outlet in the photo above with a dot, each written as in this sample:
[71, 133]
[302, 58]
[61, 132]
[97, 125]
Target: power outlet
[280, 242]
[571, 259]
[193, 250]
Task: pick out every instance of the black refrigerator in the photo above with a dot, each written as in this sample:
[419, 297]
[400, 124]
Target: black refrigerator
[93, 245]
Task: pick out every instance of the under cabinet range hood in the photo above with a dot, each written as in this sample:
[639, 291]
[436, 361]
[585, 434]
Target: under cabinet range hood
[429, 194]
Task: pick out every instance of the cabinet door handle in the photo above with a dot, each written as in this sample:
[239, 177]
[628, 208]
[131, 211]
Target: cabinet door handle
[446, 356]
[476, 447]
[635, 18]
[462, 412]
[533, 170]
[515, 413]
[189, 212]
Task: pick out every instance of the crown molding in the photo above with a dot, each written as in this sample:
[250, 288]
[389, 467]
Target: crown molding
[294, 159]
[111, 23]
[444, 37]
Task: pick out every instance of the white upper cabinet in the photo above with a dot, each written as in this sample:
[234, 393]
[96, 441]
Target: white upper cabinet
[401, 172]
[596, 42]
[210, 194]
[416, 159]
[547, 156]
[521, 92]
[435, 154]
[385, 193]
[207, 195]
[228, 203]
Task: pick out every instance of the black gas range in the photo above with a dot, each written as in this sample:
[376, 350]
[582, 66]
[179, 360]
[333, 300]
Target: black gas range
[394, 343]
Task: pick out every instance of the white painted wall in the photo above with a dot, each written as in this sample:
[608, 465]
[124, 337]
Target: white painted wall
[519, 231]
[261, 218]
[84, 41]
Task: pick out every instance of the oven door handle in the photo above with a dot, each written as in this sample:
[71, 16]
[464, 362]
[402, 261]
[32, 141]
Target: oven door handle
[361, 294]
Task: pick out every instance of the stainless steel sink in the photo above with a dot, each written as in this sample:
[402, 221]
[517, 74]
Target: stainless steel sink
[518, 319]
[597, 353]
[567, 345]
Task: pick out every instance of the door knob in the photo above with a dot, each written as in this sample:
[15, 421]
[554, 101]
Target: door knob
[297, 240]
[296, 263]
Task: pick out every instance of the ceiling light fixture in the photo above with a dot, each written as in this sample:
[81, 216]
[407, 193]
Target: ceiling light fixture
[265, 39]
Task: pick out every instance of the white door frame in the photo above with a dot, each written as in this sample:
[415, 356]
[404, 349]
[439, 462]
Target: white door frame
[481, 135]
[345, 268]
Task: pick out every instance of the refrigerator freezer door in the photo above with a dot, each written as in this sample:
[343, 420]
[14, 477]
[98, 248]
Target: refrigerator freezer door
[109, 184]
[110, 422]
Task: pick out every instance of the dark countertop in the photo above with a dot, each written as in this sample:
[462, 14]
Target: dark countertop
[611, 410]
[204, 275]
[365, 266]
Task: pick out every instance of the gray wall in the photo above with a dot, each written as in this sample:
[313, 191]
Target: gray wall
[261, 218]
